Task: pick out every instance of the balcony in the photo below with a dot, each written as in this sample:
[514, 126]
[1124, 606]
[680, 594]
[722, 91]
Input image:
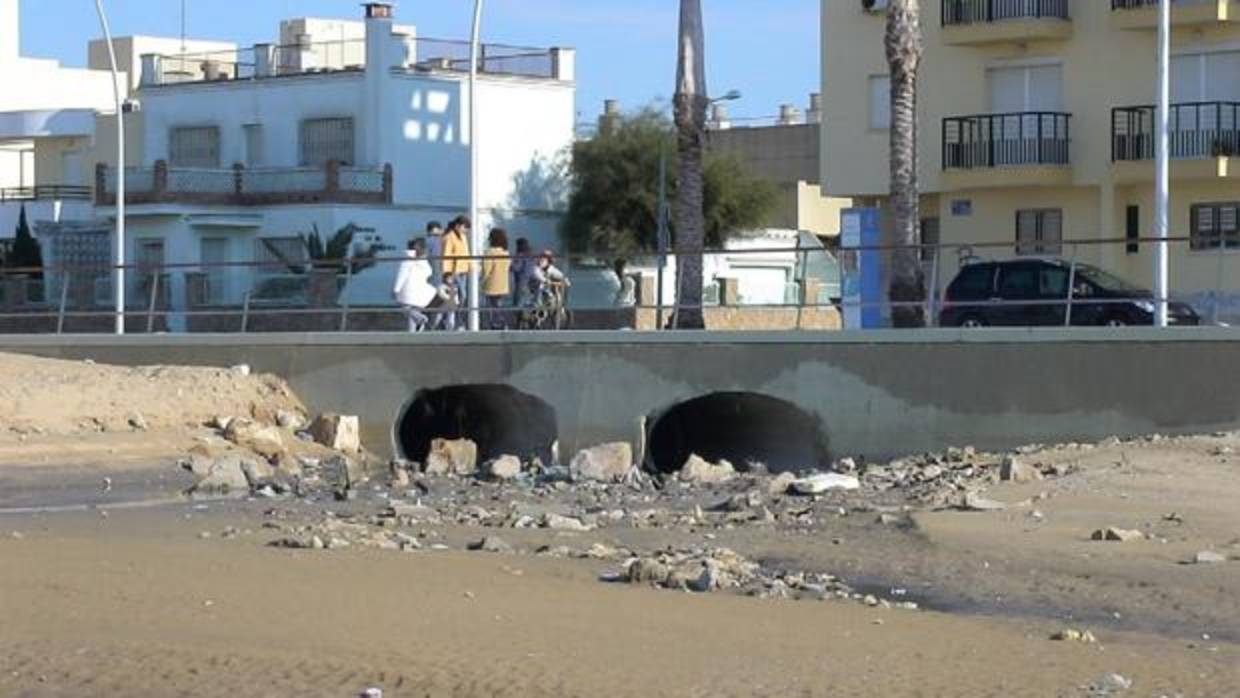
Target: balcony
[44, 192]
[239, 186]
[1204, 141]
[980, 22]
[1143, 14]
[1007, 150]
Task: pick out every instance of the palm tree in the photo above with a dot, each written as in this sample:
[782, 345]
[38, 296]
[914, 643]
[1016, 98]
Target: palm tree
[690, 106]
[904, 50]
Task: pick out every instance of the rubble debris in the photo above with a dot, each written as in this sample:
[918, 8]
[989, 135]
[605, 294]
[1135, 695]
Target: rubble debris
[337, 432]
[1208, 557]
[1013, 469]
[218, 475]
[611, 462]
[823, 482]
[780, 483]
[699, 471]
[1117, 535]
[507, 467]
[452, 457]
[267, 441]
[491, 544]
[292, 421]
[1074, 635]
[973, 501]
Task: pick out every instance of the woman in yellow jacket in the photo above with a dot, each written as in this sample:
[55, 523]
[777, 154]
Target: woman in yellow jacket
[495, 275]
[456, 262]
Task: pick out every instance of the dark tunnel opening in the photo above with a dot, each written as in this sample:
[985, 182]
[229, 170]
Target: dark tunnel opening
[742, 428]
[499, 418]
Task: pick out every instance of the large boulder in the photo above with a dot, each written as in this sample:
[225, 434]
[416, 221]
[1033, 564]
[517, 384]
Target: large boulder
[338, 432]
[605, 463]
[452, 457]
[219, 475]
[503, 468]
[265, 440]
[700, 471]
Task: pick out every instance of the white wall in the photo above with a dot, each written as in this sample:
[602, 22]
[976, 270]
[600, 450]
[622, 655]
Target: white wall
[9, 33]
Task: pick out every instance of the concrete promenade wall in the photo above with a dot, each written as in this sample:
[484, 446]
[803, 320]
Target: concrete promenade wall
[877, 393]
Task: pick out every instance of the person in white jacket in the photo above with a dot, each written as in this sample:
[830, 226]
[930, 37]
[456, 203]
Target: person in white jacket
[413, 288]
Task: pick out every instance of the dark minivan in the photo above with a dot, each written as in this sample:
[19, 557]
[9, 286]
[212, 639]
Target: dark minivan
[1033, 292]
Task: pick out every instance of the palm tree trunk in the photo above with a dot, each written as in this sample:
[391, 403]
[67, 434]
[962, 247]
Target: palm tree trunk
[690, 105]
[907, 290]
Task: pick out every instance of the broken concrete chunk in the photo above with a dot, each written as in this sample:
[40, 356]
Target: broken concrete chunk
[973, 501]
[292, 421]
[1117, 535]
[225, 474]
[338, 432]
[701, 471]
[556, 522]
[1015, 470]
[1209, 557]
[503, 468]
[491, 544]
[1074, 635]
[605, 463]
[780, 483]
[452, 457]
[823, 482]
[266, 441]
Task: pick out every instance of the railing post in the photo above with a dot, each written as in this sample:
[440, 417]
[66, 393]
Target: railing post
[150, 310]
[245, 312]
[803, 287]
[990, 142]
[101, 184]
[332, 179]
[64, 301]
[388, 189]
[1041, 119]
[344, 296]
[238, 180]
[1067, 315]
[932, 295]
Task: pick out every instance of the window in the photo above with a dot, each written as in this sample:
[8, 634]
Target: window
[880, 102]
[1215, 225]
[1205, 77]
[1039, 231]
[214, 252]
[253, 145]
[324, 140]
[194, 146]
[1132, 230]
[1018, 281]
[974, 283]
[275, 254]
[1026, 88]
[929, 236]
[150, 265]
[1053, 282]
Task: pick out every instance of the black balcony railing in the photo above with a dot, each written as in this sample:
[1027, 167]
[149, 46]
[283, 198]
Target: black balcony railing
[1197, 130]
[956, 12]
[998, 140]
[44, 192]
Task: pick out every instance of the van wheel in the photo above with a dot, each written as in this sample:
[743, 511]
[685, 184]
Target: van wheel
[1115, 321]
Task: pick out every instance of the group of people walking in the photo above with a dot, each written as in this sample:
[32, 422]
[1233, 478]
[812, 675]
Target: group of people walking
[432, 283]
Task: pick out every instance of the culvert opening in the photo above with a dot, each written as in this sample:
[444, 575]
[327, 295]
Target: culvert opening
[499, 418]
[742, 428]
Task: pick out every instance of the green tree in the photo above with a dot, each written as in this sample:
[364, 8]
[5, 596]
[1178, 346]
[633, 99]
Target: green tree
[26, 252]
[614, 198]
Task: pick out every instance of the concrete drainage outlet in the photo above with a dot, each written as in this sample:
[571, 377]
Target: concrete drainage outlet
[742, 428]
[499, 418]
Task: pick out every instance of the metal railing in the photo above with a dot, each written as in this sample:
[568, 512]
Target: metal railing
[346, 55]
[1138, 4]
[1197, 130]
[324, 296]
[242, 186]
[1000, 140]
[960, 12]
[45, 192]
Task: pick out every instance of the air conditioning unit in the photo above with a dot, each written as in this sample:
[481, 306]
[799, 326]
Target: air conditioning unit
[874, 6]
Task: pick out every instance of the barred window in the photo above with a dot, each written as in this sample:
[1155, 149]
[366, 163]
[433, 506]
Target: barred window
[194, 146]
[1215, 225]
[1039, 231]
[323, 140]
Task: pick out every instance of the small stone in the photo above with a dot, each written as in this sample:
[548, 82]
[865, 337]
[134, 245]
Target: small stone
[556, 522]
[611, 462]
[491, 544]
[241, 370]
[646, 571]
[266, 441]
[317, 543]
[1014, 470]
[1111, 683]
[823, 482]
[1117, 535]
[292, 421]
[846, 465]
[1074, 635]
[1208, 557]
[888, 520]
[972, 501]
[137, 422]
[504, 468]
[371, 693]
[338, 432]
[780, 483]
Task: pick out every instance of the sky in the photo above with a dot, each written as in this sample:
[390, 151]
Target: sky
[767, 49]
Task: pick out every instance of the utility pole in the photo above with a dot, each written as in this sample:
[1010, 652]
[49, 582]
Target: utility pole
[1162, 164]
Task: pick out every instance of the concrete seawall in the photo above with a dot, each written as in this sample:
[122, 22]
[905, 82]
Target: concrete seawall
[875, 393]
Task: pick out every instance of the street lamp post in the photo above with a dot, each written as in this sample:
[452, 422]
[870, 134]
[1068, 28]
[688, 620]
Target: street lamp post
[1161, 164]
[475, 231]
[119, 251]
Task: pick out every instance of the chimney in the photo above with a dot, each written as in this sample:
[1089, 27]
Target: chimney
[719, 117]
[789, 115]
[378, 75]
[814, 114]
[611, 113]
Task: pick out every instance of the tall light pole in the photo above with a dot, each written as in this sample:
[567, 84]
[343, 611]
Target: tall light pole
[475, 231]
[118, 282]
[1162, 164]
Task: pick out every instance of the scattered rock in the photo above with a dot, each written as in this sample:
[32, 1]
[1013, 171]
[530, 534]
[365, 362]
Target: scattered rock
[1208, 557]
[646, 571]
[224, 475]
[700, 471]
[503, 468]
[556, 522]
[137, 422]
[338, 432]
[609, 462]
[973, 501]
[1015, 470]
[241, 370]
[452, 457]
[823, 482]
[780, 483]
[266, 441]
[291, 421]
[1117, 535]
[846, 465]
[1074, 635]
[1110, 683]
[491, 544]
